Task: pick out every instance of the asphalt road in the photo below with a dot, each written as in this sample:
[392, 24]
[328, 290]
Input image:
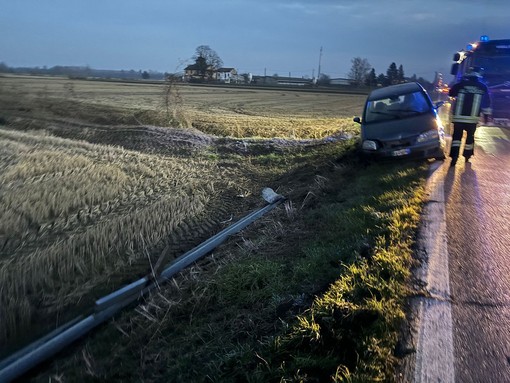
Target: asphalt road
[477, 201]
[464, 333]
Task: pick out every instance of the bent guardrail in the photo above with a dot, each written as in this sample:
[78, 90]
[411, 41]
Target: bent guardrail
[30, 356]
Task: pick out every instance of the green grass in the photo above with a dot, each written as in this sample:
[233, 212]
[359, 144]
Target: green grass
[351, 330]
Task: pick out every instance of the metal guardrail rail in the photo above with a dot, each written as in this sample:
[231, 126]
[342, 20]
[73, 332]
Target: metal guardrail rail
[44, 348]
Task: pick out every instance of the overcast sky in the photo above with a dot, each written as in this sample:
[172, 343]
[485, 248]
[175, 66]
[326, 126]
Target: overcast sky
[257, 36]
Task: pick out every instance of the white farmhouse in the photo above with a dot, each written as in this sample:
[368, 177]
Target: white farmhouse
[225, 75]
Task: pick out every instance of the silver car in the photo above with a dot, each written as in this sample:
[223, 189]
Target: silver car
[401, 121]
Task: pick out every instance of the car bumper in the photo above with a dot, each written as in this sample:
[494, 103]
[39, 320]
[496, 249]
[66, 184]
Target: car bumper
[426, 150]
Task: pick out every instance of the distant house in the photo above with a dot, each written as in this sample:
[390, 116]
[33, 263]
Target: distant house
[226, 75]
[195, 73]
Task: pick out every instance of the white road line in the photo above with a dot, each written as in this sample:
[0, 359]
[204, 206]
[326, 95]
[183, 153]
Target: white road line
[434, 356]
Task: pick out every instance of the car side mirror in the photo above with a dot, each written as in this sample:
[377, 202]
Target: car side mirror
[357, 119]
[438, 104]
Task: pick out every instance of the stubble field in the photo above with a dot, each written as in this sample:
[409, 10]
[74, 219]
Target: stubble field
[97, 178]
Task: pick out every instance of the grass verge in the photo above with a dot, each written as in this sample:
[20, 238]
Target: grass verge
[313, 293]
[351, 330]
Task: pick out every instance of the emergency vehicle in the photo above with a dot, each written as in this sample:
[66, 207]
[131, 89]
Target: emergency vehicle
[493, 57]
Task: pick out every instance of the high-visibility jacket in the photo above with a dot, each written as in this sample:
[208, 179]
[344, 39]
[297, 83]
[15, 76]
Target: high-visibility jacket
[472, 97]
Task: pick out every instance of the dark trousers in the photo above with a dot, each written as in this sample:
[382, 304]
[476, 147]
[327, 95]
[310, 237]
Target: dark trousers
[469, 146]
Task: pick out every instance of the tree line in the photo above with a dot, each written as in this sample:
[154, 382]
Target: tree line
[84, 72]
[206, 59]
[363, 74]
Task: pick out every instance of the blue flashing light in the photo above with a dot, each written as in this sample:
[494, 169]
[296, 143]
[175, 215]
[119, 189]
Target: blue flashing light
[484, 38]
[469, 47]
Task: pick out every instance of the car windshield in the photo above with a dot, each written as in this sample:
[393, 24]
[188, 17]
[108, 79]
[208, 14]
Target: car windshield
[396, 107]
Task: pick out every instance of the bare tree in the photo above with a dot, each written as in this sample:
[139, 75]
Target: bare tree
[212, 59]
[173, 100]
[359, 70]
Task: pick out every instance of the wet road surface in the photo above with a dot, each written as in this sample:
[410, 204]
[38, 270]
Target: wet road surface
[477, 202]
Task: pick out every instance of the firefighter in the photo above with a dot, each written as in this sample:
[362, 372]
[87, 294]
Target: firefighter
[471, 98]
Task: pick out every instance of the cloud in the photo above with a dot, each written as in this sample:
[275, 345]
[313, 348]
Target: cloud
[282, 34]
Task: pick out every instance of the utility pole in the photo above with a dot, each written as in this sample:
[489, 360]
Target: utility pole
[320, 59]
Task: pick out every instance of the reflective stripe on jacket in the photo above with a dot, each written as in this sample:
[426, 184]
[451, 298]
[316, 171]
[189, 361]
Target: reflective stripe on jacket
[471, 96]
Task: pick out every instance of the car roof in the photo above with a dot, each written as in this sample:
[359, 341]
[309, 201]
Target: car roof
[392, 90]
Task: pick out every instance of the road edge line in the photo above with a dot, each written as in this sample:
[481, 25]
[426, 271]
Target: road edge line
[434, 352]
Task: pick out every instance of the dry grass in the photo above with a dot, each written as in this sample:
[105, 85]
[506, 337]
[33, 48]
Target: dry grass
[235, 125]
[227, 112]
[75, 213]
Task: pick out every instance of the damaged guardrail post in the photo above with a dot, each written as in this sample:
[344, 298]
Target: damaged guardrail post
[42, 349]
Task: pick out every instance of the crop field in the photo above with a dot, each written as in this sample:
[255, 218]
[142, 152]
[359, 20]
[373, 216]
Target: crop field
[97, 178]
[235, 112]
